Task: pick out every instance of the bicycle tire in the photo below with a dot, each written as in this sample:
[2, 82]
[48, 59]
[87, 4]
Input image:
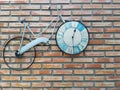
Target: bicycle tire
[18, 63]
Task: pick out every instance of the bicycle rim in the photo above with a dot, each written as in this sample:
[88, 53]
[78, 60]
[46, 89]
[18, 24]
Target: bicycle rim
[13, 62]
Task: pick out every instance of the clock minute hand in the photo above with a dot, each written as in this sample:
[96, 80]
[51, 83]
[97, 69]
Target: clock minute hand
[73, 39]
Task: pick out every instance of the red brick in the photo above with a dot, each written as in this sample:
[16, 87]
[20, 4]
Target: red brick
[31, 78]
[112, 42]
[91, 18]
[83, 60]
[116, 1]
[52, 78]
[112, 53]
[62, 84]
[112, 30]
[116, 12]
[103, 35]
[117, 84]
[116, 23]
[104, 72]
[42, 60]
[83, 71]
[96, 42]
[113, 78]
[4, 30]
[94, 66]
[117, 71]
[101, 24]
[41, 72]
[111, 18]
[73, 65]
[4, 84]
[60, 60]
[20, 13]
[4, 72]
[20, 1]
[38, 13]
[111, 6]
[103, 48]
[102, 12]
[8, 19]
[64, 72]
[10, 7]
[38, 1]
[30, 7]
[61, 1]
[104, 84]
[81, 1]
[92, 6]
[101, 1]
[83, 84]
[41, 84]
[73, 78]
[103, 60]
[3, 13]
[10, 78]
[53, 54]
[117, 59]
[94, 78]
[112, 65]
[20, 84]
[26, 72]
[52, 66]
[94, 53]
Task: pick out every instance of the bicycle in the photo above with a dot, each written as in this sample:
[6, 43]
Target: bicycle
[19, 52]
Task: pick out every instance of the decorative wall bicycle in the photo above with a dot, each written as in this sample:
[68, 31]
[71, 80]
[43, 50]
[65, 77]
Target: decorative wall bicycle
[19, 52]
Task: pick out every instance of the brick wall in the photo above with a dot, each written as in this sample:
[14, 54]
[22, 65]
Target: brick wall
[97, 69]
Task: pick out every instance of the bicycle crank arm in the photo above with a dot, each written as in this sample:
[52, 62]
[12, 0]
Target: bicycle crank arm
[32, 44]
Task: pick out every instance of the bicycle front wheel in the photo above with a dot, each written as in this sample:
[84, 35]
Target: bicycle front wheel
[10, 58]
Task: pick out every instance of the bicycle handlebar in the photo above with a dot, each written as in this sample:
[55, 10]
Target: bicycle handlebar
[23, 21]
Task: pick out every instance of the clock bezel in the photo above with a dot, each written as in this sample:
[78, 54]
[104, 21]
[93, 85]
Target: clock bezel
[58, 44]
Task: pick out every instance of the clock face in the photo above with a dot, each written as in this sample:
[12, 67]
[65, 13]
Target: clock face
[72, 37]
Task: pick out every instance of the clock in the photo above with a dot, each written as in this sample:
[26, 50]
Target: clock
[72, 37]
